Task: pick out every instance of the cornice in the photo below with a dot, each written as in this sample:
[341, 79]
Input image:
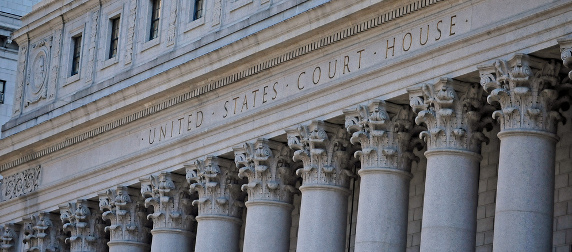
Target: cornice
[265, 65]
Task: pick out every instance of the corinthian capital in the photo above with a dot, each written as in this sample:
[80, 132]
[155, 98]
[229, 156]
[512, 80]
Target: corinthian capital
[8, 237]
[123, 208]
[216, 181]
[42, 232]
[168, 195]
[322, 148]
[83, 220]
[385, 142]
[524, 87]
[454, 121]
[268, 167]
[566, 54]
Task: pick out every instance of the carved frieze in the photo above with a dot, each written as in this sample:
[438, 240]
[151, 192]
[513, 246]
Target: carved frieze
[82, 219]
[269, 168]
[125, 211]
[43, 232]
[216, 181]
[168, 195]
[8, 237]
[21, 183]
[38, 69]
[385, 142]
[454, 118]
[323, 149]
[526, 90]
[56, 48]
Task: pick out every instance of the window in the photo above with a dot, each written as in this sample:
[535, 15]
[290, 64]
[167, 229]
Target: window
[198, 10]
[2, 91]
[76, 54]
[114, 37]
[155, 16]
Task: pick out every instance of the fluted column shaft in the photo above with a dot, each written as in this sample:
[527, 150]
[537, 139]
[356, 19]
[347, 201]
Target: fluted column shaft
[325, 181]
[172, 222]
[267, 165]
[453, 140]
[385, 174]
[523, 86]
[219, 218]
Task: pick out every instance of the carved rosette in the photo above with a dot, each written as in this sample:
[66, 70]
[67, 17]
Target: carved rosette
[42, 232]
[268, 167]
[216, 181]
[452, 122]
[168, 195]
[8, 237]
[83, 220]
[127, 216]
[566, 54]
[322, 148]
[385, 142]
[525, 89]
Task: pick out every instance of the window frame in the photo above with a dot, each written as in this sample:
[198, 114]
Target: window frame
[155, 19]
[75, 67]
[115, 30]
[2, 91]
[196, 5]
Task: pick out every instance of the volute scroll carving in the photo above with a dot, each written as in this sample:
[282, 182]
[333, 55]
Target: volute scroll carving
[83, 220]
[453, 121]
[218, 186]
[566, 54]
[269, 168]
[168, 195]
[8, 237]
[526, 88]
[124, 209]
[323, 149]
[385, 142]
[43, 232]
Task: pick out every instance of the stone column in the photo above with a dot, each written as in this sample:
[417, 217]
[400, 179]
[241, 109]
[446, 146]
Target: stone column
[267, 165]
[172, 221]
[523, 87]
[220, 206]
[42, 233]
[125, 211]
[385, 155]
[82, 219]
[325, 180]
[453, 140]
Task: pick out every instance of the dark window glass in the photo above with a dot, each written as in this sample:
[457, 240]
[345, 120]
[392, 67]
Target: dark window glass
[2, 91]
[114, 37]
[76, 54]
[155, 16]
[198, 13]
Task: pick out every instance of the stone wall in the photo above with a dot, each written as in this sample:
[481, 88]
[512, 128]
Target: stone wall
[562, 239]
[416, 192]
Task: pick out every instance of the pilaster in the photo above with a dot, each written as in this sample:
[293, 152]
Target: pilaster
[42, 232]
[216, 181]
[125, 210]
[83, 220]
[171, 203]
[525, 89]
[323, 149]
[454, 121]
[268, 167]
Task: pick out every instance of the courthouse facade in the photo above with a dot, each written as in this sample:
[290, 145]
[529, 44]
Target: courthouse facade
[290, 125]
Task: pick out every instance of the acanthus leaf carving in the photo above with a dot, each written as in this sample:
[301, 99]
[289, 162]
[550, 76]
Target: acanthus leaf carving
[566, 54]
[323, 149]
[452, 122]
[83, 220]
[385, 142]
[21, 183]
[8, 237]
[168, 195]
[43, 232]
[525, 89]
[218, 186]
[127, 215]
[269, 168]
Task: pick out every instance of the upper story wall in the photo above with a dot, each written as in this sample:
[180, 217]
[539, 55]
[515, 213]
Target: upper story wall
[46, 86]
